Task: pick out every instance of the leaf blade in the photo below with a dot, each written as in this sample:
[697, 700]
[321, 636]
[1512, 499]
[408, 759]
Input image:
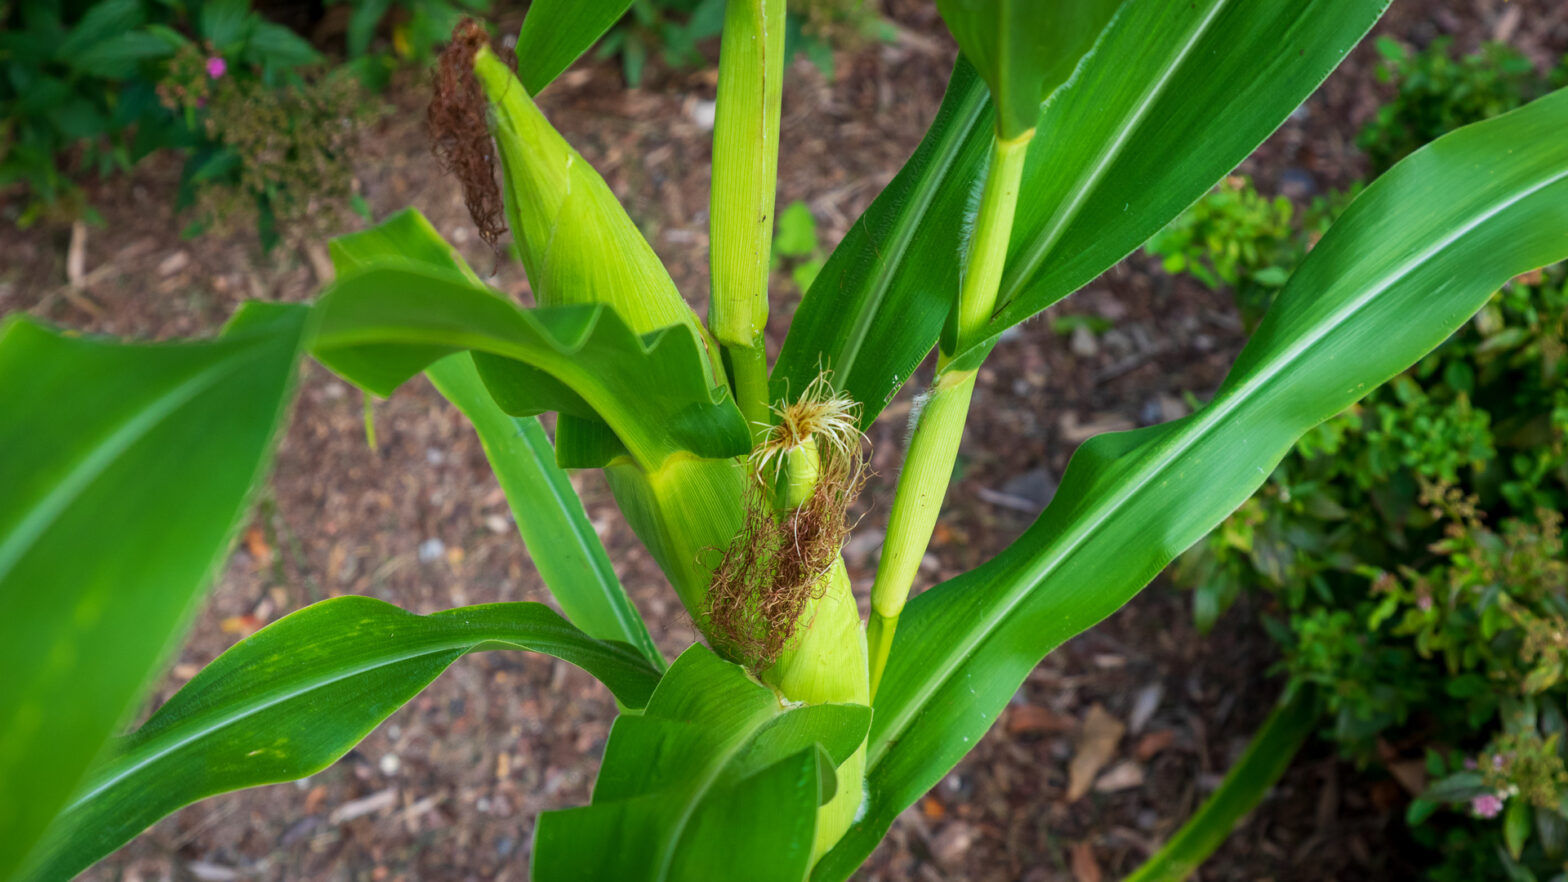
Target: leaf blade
[151, 465]
[382, 324]
[672, 773]
[1475, 208]
[555, 529]
[289, 700]
[1195, 119]
[556, 32]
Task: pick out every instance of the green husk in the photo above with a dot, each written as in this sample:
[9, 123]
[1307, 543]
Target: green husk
[745, 168]
[576, 241]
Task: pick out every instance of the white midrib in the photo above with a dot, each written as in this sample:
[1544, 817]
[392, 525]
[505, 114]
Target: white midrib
[1205, 420]
[946, 154]
[159, 750]
[101, 456]
[1078, 195]
[762, 718]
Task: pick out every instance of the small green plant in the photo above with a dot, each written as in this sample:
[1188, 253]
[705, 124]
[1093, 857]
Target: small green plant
[1437, 94]
[796, 245]
[783, 745]
[276, 157]
[1236, 238]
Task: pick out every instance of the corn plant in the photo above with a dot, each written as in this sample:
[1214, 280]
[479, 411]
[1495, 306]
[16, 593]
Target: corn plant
[785, 743]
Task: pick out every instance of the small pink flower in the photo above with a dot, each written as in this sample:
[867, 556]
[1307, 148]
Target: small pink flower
[1424, 602]
[1470, 764]
[1487, 805]
[216, 66]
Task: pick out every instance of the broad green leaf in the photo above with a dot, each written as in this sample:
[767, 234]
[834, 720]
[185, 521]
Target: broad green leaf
[125, 469]
[561, 541]
[1024, 49]
[289, 700]
[102, 21]
[381, 325]
[1413, 257]
[407, 239]
[716, 779]
[556, 32]
[116, 57]
[1172, 98]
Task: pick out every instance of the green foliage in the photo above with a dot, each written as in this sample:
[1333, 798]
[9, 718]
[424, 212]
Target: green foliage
[1235, 237]
[1437, 94]
[92, 88]
[83, 86]
[673, 30]
[797, 246]
[416, 29]
[716, 779]
[253, 715]
[150, 466]
[1024, 50]
[1412, 545]
[1099, 181]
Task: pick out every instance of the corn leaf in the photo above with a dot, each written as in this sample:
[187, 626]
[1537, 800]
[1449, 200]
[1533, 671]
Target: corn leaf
[714, 780]
[1024, 49]
[289, 700]
[125, 469]
[381, 325]
[556, 32]
[563, 544]
[1172, 98]
[1415, 256]
[407, 239]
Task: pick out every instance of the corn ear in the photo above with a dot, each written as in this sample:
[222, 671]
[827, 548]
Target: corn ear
[578, 245]
[826, 663]
[576, 241]
[686, 511]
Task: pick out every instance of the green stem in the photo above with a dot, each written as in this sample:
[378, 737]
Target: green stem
[745, 170]
[1245, 785]
[933, 446]
[749, 371]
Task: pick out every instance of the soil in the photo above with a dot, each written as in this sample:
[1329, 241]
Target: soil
[450, 786]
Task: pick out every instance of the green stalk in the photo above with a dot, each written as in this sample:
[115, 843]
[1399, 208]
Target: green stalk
[745, 173]
[1245, 785]
[933, 446]
[749, 370]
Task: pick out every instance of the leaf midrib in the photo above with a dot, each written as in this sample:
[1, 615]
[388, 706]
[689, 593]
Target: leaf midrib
[115, 442]
[889, 262]
[1203, 423]
[628, 621]
[155, 750]
[1030, 259]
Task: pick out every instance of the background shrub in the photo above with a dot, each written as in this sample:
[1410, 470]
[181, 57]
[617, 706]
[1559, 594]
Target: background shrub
[1408, 555]
[265, 123]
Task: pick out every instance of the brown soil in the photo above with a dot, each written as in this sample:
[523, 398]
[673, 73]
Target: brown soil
[457, 777]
